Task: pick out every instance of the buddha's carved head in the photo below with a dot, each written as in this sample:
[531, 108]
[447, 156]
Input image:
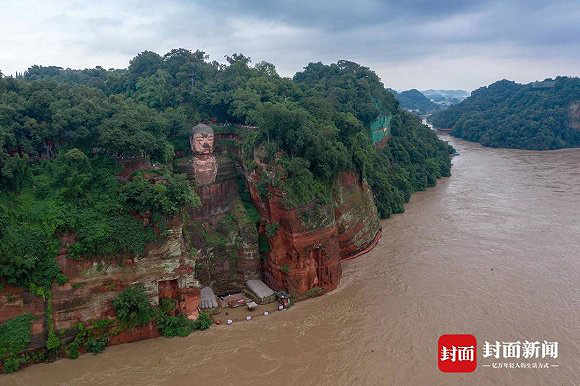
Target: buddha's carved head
[201, 139]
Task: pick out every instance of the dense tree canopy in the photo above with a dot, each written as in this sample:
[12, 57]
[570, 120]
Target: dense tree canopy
[537, 116]
[63, 132]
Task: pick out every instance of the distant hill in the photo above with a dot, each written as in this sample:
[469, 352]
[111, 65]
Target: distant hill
[445, 97]
[539, 115]
[459, 94]
[413, 100]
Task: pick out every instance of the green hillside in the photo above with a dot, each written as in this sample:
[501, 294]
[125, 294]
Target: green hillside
[539, 115]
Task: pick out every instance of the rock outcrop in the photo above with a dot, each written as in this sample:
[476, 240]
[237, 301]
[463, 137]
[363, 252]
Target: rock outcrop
[166, 270]
[304, 251]
[310, 241]
[359, 228]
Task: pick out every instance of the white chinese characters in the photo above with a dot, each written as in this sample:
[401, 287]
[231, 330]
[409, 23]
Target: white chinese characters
[519, 349]
[459, 353]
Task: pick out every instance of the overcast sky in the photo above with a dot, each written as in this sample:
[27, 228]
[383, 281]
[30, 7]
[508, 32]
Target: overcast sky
[409, 43]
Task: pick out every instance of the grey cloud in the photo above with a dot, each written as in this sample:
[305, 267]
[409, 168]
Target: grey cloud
[403, 30]
[342, 14]
[413, 43]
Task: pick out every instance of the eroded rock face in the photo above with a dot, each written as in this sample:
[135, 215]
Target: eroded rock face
[93, 284]
[167, 269]
[311, 240]
[359, 228]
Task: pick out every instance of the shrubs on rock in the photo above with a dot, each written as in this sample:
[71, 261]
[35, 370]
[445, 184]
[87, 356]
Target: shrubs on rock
[15, 335]
[171, 325]
[93, 338]
[132, 306]
[14, 338]
[97, 345]
[202, 322]
[133, 310]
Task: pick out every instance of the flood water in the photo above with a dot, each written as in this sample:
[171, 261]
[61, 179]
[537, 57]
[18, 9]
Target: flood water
[493, 251]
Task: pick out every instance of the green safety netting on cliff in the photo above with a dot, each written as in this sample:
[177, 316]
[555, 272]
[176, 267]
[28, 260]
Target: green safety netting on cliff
[381, 127]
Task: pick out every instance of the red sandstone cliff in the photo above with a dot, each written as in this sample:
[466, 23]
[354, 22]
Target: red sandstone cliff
[356, 216]
[166, 270]
[311, 240]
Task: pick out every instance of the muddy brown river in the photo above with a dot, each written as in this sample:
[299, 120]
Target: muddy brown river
[493, 251]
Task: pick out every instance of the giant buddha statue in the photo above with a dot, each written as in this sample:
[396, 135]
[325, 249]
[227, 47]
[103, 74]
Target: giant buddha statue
[205, 165]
